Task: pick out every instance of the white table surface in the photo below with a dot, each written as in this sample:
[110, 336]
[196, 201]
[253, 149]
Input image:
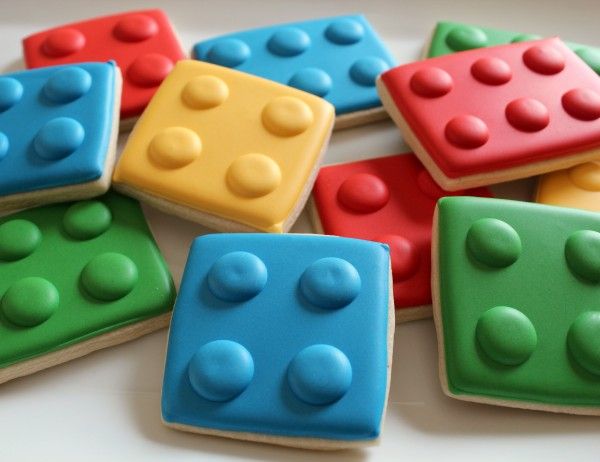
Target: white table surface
[106, 407]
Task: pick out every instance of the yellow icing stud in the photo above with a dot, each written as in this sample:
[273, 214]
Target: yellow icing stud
[287, 116]
[577, 187]
[205, 92]
[226, 149]
[253, 175]
[175, 147]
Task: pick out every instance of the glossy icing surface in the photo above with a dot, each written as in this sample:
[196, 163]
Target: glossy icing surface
[519, 310]
[142, 43]
[227, 143]
[55, 126]
[281, 335]
[336, 58]
[450, 37]
[111, 275]
[495, 108]
[577, 187]
[391, 200]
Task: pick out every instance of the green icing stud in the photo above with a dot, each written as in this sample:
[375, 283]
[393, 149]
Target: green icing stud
[493, 242]
[525, 38]
[591, 57]
[86, 220]
[18, 239]
[109, 276]
[582, 251]
[30, 301]
[462, 38]
[506, 335]
[584, 341]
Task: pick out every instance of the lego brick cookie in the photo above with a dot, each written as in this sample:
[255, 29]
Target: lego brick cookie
[391, 200]
[143, 44]
[577, 187]
[281, 339]
[226, 149]
[515, 290]
[496, 114]
[336, 58]
[58, 133]
[450, 37]
[75, 278]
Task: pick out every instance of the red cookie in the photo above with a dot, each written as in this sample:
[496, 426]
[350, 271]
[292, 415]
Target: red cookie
[142, 43]
[496, 114]
[392, 200]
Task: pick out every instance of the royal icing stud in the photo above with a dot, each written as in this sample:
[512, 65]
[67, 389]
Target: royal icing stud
[142, 43]
[75, 278]
[391, 200]
[577, 187]
[282, 339]
[57, 133]
[495, 114]
[450, 37]
[515, 292]
[227, 149]
[336, 58]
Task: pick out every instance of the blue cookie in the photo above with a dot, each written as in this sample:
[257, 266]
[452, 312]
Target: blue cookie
[57, 133]
[336, 58]
[284, 339]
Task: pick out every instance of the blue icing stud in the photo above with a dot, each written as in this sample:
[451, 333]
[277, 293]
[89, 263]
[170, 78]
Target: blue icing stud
[313, 80]
[221, 370]
[55, 126]
[320, 374]
[68, 85]
[365, 70]
[335, 58]
[228, 52]
[11, 91]
[58, 138]
[281, 335]
[288, 41]
[237, 277]
[345, 31]
[330, 283]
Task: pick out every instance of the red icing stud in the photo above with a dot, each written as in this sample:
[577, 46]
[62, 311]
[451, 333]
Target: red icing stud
[544, 59]
[491, 71]
[149, 70]
[527, 114]
[363, 193]
[135, 28]
[467, 132]
[404, 256]
[63, 42]
[431, 82]
[582, 103]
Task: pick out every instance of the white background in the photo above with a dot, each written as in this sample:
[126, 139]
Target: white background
[106, 407]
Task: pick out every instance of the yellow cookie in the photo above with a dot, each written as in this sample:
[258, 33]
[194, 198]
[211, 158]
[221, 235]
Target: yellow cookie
[226, 149]
[577, 187]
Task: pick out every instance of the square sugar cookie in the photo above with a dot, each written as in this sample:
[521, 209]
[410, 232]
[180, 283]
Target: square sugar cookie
[281, 339]
[390, 200]
[577, 187]
[450, 37]
[58, 133]
[515, 290]
[226, 149]
[337, 58]
[142, 43]
[496, 114]
[75, 278]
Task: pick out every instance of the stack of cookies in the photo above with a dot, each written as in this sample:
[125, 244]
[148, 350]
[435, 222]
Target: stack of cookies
[287, 338]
